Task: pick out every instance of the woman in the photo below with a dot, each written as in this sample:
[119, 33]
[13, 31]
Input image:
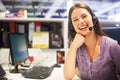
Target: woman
[96, 55]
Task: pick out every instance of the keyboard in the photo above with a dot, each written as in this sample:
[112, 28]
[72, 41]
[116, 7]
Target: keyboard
[3, 78]
[38, 72]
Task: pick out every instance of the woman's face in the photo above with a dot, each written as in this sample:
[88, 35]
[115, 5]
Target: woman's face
[81, 20]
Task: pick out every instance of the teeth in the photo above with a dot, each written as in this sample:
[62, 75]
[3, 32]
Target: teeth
[82, 28]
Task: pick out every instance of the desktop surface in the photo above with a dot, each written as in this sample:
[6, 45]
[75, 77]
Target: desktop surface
[48, 59]
[56, 74]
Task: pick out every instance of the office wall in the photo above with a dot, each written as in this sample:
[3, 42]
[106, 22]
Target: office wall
[41, 57]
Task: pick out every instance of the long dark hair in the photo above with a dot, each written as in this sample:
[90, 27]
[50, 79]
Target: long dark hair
[97, 26]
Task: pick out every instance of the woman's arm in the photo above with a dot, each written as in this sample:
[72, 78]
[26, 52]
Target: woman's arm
[69, 66]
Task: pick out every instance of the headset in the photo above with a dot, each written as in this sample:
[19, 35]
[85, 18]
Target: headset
[94, 20]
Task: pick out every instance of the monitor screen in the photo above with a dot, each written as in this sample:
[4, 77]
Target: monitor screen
[113, 33]
[112, 29]
[18, 48]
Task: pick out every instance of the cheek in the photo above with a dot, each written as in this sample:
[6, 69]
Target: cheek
[75, 27]
[89, 20]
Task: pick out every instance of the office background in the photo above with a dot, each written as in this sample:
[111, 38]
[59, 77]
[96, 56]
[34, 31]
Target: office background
[49, 13]
[104, 9]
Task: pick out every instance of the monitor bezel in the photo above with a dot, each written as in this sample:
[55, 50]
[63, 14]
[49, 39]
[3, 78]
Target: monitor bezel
[11, 50]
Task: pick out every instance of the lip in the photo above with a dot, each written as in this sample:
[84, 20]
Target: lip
[81, 28]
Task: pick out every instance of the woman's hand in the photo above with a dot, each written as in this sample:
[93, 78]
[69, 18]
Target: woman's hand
[77, 41]
[69, 72]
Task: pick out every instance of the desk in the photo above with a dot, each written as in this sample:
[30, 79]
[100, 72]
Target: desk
[57, 74]
[48, 58]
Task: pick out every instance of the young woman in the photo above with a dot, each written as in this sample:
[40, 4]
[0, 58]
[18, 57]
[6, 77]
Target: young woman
[96, 55]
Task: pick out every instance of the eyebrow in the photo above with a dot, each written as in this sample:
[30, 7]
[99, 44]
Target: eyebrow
[80, 15]
[73, 18]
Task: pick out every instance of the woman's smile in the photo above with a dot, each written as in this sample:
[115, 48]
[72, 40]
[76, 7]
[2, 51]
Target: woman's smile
[84, 27]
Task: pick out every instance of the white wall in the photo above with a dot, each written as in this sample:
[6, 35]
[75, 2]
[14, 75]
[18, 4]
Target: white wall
[41, 56]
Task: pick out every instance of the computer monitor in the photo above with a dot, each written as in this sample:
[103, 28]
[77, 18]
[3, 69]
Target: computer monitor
[18, 50]
[112, 29]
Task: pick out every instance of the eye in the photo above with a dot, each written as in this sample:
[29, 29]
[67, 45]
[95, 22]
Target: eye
[75, 20]
[84, 16]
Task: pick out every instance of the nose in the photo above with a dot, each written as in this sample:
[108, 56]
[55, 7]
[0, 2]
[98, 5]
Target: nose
[81, 21]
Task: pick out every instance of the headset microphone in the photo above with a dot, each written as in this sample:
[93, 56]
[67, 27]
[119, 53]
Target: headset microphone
[90, 28]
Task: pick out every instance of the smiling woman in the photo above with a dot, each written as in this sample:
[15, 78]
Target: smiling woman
[90, 49]
[80, 18]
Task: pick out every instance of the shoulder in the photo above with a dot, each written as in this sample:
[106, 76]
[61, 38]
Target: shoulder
[112, 45]
[109, 41]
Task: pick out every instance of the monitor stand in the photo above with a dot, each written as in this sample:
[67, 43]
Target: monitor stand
[16, 69]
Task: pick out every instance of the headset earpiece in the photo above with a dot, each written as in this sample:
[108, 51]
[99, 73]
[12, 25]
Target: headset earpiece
[94, 19]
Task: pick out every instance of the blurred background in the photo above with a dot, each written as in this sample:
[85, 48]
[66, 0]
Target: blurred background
[104, 9]
[50, 16]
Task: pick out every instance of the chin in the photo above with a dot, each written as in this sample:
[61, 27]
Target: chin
[86, 33]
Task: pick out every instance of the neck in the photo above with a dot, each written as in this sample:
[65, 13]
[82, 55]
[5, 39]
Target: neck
[90, 40]
[92, 43]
